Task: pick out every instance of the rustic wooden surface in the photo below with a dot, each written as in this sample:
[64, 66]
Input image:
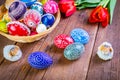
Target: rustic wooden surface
[88, 67]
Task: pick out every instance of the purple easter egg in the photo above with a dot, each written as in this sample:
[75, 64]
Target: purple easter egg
[51, 7]
[32, 18]
[16, 10]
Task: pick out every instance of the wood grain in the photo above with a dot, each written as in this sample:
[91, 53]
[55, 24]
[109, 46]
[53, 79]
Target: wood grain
[3, 42]
[107, 70]
[88, 67]
[46, 47]
[63, 69]
[20, 72]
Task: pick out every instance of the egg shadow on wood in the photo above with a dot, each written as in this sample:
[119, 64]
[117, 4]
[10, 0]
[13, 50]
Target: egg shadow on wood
[53, 49]
[97, 60]
[58, 55]
[62, 61]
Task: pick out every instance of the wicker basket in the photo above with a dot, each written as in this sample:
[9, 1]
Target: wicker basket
[28, 39]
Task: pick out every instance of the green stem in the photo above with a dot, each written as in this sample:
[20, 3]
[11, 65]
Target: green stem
[104, 3]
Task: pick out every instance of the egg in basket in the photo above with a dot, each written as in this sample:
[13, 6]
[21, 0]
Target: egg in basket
[28, 20]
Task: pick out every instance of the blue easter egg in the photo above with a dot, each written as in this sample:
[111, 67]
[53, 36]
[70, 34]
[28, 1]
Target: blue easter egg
[74, 51]
[38, 7]
[28, 2]
[80, 35]
[40, 60]
[48, 19]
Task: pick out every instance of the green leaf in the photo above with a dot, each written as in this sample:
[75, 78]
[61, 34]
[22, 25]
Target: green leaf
[91, 1]
[80, 2]
[81, 7]
[111, 7]
[90, 4]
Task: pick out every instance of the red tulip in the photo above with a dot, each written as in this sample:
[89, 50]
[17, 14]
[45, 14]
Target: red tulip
[67, 7]
[100, 14]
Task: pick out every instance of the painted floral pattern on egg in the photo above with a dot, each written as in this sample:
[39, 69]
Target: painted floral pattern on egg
[32, 18]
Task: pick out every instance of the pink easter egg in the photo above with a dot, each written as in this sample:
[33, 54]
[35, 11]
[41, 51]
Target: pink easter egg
[62, 41]
[32, 18]
[51, 7]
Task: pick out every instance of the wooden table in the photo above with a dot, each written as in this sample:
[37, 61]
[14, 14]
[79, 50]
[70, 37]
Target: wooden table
[88, 67]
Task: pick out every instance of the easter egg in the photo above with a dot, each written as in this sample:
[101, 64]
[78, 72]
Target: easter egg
[38, 7]
[74, 51]
[43, 1]
[28, 2]
[6, 18]
[80, 35]
[62, 41]
[16, 28]
[105, 51]
[48, 19]
[3, 27]
[32, 18]
[33, 33]
[51, 7]
[16, 10]
[41, 28]
[40, 60]
[12, 52]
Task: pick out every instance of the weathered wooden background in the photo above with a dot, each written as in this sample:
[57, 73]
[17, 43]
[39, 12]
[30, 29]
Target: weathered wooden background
[88, 67]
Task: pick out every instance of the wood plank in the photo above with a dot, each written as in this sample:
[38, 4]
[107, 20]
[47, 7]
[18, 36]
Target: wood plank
[3, 42]
[63, 69]
[21, 67]
[47, 46]
[20, 72]
[107, 70]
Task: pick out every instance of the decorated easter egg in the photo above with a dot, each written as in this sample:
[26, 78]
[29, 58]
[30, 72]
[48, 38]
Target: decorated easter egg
[32, 18]
[48, 19]
[16, 10]
[105, 51]
[62, 41]
[33, 33]
[12, 52]
[41, 28]
[74, 51]
[3, 27]
[40, 60]
[6, 18]
[29, 2]
[18, 29]
[43, 1]
[80, 35]
[37, 6]
[51, 7]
